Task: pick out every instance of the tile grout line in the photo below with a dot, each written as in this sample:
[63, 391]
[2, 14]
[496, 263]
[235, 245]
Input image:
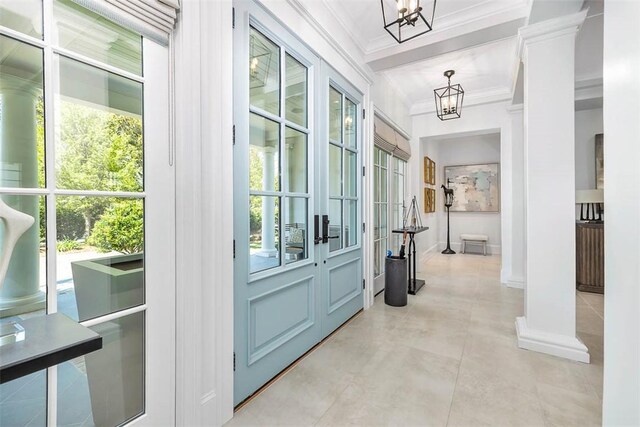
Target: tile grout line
[464, 347]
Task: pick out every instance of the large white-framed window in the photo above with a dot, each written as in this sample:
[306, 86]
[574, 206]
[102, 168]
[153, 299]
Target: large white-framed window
[381, 163]
[389, 184]
[82, 167]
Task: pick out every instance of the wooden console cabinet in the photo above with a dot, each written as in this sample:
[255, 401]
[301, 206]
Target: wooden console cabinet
[590, 257]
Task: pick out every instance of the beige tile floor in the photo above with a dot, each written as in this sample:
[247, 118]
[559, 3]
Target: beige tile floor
[448, 358]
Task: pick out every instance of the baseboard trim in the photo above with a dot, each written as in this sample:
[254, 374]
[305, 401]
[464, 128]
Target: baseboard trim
[475, 249]
[515, 282]
[556, 345]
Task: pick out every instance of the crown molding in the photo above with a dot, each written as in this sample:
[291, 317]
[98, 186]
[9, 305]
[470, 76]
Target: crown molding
[304, 13]
[489, 96]
[516, 108]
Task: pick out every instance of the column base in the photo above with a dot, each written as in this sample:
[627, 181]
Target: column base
[556, 345]
[16, 306]
[515, 282]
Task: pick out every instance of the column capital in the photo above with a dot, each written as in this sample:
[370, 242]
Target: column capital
[551, 28]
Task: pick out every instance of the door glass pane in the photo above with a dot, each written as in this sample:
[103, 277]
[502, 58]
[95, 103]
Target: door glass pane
[264, 154]
[350, 124]
[296, 236]
[89, 34]
[21, 114]
[383, 159]
[106, 387]
[23, 401]
[376, 183]
[296, 160]
[383, 185]
[376, 259]
[383, 220]
[351, 229]
[335, 225]
[383, 254]
[350, 174]
[264, 239]
[264, 73]
[295, 91]
[100, 255]
[376, 221]
[335, 170]
[24, 16]
[99, 143]
[335, 115]
[23, 291]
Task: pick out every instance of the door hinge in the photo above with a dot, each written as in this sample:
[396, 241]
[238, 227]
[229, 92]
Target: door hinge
[363, 284]
[234, 135]
[364, 114]
[233, 17]
[234, 361]
[234, 248]
[363, 227]
[363, 171]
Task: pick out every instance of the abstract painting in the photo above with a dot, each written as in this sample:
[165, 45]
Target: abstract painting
[476, 188]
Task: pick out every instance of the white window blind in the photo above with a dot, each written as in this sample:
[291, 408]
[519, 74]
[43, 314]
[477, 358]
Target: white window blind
[153, 19]
[390, 140]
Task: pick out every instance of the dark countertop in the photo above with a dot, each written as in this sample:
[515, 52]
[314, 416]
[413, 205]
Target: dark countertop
[49, 340]
[410, 230]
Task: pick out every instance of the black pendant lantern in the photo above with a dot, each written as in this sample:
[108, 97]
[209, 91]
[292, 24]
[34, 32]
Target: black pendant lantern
[408, 19]
[449, 99]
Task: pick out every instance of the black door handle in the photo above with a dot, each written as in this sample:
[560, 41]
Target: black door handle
[316, 229]
[325, 228]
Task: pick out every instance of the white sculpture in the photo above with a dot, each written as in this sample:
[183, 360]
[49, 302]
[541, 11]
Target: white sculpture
[15, 224]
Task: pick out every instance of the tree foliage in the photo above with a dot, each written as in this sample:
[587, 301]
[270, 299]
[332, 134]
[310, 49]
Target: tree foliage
[120, 228]
[96, 150]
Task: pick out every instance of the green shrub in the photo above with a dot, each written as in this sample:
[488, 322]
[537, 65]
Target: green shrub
[120, 228]
[68, 245]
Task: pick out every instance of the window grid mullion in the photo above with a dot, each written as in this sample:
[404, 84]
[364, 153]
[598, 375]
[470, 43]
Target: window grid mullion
[49, 74]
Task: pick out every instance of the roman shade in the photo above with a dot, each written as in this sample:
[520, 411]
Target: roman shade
[153, 19]
[387, 138]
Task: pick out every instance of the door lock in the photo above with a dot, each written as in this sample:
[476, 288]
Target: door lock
[325, 230]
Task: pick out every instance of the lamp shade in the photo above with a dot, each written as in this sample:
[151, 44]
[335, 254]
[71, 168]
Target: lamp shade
[589, 196]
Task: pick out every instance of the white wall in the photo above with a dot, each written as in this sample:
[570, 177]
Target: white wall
[466, 151]
[621, 400]
[588, 124]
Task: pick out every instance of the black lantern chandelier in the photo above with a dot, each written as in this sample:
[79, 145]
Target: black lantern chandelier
[407, 19]
[449, 99]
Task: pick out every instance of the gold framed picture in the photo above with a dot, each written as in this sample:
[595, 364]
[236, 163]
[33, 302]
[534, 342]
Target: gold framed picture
[432, 172]
[429, 200]
[432, 199]
[427, 170]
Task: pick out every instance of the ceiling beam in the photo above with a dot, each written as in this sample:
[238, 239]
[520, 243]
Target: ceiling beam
[464, 35]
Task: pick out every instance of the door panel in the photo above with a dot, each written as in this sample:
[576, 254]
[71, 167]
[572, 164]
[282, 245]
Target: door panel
[297, 186]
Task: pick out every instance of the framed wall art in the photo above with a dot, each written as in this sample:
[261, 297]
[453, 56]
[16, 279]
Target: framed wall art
[476, 188]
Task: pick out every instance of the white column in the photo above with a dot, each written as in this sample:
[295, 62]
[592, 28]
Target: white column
[621, 406]
[268, 248]
[19, 168]
[513, 222]
[549, 323]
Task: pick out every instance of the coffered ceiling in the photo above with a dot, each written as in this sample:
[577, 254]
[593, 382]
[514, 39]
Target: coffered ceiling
[476, 38]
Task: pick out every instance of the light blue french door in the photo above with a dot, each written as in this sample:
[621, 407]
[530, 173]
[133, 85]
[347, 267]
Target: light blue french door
[339, 189]
[297, 277]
